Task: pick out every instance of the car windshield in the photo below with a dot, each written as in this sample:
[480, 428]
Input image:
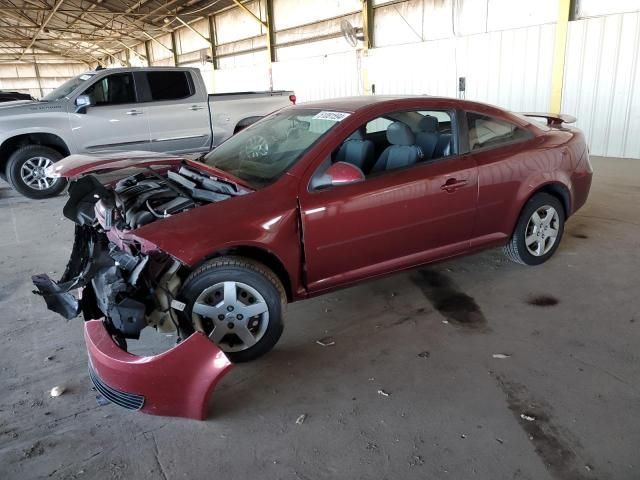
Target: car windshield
[263, 152]
[67, 87]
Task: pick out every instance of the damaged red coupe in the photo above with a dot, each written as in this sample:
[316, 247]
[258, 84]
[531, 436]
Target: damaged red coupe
[313, 198]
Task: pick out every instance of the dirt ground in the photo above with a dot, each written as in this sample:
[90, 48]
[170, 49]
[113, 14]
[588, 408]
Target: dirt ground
[411, 388]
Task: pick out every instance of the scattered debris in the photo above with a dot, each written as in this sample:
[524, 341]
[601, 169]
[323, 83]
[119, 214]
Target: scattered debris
[526, 417]
[371, 446]
[326, 342]
[588, 468]
[57, 391]
[49, 358]
[445, 321]
[300, 420]
[416, 460]
[463, 436]
[383, 393]
[34, 450]
[501, 355]
[425, 354]
[499, 440]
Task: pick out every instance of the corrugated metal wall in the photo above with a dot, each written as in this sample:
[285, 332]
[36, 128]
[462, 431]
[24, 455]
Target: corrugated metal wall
[602, 82]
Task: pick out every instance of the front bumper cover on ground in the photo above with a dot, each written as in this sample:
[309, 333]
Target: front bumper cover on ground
[175, 383]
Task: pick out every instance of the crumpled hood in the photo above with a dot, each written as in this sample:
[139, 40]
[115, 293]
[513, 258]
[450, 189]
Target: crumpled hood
[79, 164]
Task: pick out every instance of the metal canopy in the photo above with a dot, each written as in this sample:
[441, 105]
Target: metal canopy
[89, 30]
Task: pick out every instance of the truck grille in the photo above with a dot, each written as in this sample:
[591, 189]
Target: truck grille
[130, 401]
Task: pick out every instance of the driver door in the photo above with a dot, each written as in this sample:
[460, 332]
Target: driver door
[391, 221]
[116, 121]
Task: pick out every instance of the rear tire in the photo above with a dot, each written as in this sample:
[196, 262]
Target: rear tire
[538, 232]
[25, 172]
[238, 302]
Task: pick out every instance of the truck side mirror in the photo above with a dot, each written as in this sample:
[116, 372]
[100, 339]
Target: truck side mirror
[340, 173]
[83, 102]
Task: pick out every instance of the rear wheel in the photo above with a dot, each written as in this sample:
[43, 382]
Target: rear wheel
[26, 172]
[538, 231]
[238, 303]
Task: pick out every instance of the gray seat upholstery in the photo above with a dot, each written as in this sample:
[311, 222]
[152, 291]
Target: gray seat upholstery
[403, 151]
[433, 143]
[427, 138]
[357, 151]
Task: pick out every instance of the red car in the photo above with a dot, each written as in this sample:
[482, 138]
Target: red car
[313, 198]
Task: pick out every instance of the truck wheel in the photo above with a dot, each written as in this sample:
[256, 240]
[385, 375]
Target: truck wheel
[538, 231]
[238, 303]
[25, 172]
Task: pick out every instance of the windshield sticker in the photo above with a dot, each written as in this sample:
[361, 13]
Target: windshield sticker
[333, 116]
[85, 77]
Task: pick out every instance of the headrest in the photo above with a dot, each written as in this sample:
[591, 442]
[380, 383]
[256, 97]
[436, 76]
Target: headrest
[428, 124]
[399, 134]
[357, 135]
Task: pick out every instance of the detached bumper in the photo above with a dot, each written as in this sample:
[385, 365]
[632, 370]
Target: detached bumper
[176, 383]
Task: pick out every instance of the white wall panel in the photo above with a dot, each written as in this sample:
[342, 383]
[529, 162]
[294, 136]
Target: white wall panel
[243, 78]
[602, 83]
[291, 13]
[510, 68]
[426, 68]
[315, 78]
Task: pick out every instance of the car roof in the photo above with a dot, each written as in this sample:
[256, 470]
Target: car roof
[363, 102]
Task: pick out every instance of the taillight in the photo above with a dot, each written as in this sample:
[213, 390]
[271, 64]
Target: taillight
[293, 99]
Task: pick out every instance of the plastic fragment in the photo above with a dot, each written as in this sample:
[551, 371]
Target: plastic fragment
[300, 420]
[326, 342]
[57, 391]
[526, 417]
[383, 393]
[501, 355]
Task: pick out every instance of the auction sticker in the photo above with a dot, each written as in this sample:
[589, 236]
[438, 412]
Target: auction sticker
[333, 116]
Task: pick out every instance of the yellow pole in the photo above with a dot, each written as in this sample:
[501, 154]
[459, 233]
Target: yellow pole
[559, 52]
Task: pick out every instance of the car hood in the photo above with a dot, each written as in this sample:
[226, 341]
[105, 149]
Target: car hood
[77, 165]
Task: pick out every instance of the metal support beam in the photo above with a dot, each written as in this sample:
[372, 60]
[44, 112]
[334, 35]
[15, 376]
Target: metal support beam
[367, 23]
[559, 52]
[157, 41]
[147, 50]
[255, 17]
[37, 70]
[43, 26]
[212, 41]
[271, 36]
[174, 48]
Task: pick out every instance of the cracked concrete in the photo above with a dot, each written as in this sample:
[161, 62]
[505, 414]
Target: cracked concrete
[452, 412]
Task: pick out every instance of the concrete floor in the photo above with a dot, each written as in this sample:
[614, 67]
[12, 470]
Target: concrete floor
[453, 411]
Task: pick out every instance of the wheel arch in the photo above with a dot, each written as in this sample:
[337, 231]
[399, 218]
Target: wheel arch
[554, 188]
[12, 144]
[259, 254]
[245, 122]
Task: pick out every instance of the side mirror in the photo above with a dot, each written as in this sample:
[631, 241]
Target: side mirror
[340, 173]
[83, 102]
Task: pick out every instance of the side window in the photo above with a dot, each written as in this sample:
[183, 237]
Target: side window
[486, 131]
[113, 90]
[168, 85]
[397, 140]
[377, 125]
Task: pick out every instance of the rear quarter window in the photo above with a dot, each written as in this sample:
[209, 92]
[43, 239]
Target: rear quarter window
[487, 131]
[168, 85]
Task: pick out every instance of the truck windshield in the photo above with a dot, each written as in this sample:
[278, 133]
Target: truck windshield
[67, 87]
[263, 152]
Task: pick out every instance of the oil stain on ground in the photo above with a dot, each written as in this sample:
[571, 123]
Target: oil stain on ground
[579, 235]
[446, 297]
[556, 448]
[543, 300]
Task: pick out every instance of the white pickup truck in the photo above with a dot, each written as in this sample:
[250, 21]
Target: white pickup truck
[157, 109]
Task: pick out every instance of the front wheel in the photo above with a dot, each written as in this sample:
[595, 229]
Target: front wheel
[238, 303]
[538, 231]
[26, 172]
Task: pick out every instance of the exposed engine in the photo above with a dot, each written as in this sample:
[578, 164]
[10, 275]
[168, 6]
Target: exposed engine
[131, 290]
[145, 197]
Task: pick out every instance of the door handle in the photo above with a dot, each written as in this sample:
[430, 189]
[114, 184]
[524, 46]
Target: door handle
[134, 112]
[453, 184]
[195, 108]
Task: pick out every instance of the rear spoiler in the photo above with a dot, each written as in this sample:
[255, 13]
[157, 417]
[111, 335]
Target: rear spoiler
[553, 119]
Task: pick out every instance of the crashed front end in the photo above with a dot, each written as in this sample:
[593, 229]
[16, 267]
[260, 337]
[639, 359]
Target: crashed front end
[129, 285]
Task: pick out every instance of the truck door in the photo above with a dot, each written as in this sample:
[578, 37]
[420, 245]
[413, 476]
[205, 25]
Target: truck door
[178, 112]
[116, 120]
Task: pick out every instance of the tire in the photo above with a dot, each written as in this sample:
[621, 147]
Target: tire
[208, 296]
[538, 232]
[29, 158]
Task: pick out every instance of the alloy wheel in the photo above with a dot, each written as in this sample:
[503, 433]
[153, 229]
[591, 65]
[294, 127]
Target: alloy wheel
[33, 173]
[542, 231]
